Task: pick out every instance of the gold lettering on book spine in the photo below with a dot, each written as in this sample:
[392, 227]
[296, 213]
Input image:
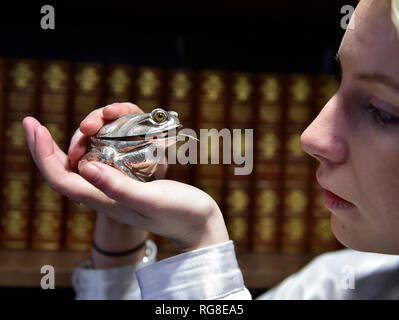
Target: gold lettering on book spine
[15, 133]
[46, 224]
[270, 89]
[55, 77]
[269, 145]
[56, 132]
[294, 229]
[300, 89]
[322, 229]
[119, 81]
[294, 146]
[237, 227]
[15, 192]
[266, 228]
[242, 88]
[47, 197]
[148, 83]
[80, 225]
[180, 85]
[14, 222]
[296, 201]
[88, 78]
[21, 75]
[238, 200]
[267, 201]
[213, 87]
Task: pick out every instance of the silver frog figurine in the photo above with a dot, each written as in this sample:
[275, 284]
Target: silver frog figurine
[129, 143]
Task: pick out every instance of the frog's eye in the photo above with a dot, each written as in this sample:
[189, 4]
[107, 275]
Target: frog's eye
[159, 116]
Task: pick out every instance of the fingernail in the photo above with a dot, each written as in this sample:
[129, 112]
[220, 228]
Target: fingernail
[92, 173]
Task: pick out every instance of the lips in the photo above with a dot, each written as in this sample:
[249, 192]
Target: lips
[335, 202]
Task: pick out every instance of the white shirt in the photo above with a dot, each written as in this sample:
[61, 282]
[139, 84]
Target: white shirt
[213, 273]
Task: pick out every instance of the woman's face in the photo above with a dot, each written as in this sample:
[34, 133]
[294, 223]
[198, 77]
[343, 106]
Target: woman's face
[356, 135]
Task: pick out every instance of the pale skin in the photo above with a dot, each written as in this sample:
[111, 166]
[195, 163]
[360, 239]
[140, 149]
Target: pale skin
[355, 139]
[356, 136]
[187, 216]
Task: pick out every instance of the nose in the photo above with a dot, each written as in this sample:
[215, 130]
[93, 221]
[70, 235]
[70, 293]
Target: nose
[324, 139]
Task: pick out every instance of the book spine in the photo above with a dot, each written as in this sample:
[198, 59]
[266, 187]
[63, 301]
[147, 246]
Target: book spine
[87, 95]
[239, 187]
[3, 72]
[179, 97]
[211, 111]
[269, 159]
[148, 95]
[22, 92]
[297, 166]
[48, 205]
[148, 88]
[118, 84]
[321, 238]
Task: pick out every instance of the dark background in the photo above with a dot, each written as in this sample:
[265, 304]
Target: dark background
[258, 36]
[282, 36]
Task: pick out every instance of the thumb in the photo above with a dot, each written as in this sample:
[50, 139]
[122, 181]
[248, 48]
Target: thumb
[113, 183]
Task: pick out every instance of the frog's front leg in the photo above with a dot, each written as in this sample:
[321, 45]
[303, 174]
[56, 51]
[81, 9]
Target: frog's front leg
[111, 157]
[137, 166]
[103, 154]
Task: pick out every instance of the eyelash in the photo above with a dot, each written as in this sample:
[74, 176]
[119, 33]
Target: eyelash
[382, 118]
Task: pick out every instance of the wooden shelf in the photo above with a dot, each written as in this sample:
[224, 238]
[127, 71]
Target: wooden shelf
[21, 268]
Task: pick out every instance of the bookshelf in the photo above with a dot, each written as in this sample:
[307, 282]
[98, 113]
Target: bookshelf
[260, 37]
[21, 268]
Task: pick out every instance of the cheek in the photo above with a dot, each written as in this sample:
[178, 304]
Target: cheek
[376, 181]
[377, 176]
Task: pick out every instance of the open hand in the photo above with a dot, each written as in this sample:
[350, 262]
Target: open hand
[187, 216]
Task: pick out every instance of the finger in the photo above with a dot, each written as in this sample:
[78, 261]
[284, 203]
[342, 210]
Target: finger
[61, 156]
[118, 186]
[127, 192]
[97, 118]
[29, 124]
[67, 183]
[117, 110]
[92, 123]
[77, 148]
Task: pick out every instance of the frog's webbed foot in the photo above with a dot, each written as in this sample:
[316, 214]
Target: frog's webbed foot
[142, 171]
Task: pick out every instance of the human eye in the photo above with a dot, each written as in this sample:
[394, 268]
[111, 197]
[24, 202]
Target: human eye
[381, 117]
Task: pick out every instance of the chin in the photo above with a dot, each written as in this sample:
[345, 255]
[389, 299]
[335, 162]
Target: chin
[360, 239]
[348, 236]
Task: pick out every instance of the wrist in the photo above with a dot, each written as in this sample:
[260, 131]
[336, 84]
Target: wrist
[113, 236]
[212, 232]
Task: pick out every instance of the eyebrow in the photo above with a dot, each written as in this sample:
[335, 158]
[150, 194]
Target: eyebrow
[378, 77]
[372, 77]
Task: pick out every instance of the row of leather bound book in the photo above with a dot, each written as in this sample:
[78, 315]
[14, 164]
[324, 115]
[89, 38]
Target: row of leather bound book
[277, 208]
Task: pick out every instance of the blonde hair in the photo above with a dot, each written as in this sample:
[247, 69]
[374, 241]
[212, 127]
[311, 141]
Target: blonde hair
[395, 14]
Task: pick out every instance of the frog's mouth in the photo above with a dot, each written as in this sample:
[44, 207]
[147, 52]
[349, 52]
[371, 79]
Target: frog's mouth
[161, 135]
